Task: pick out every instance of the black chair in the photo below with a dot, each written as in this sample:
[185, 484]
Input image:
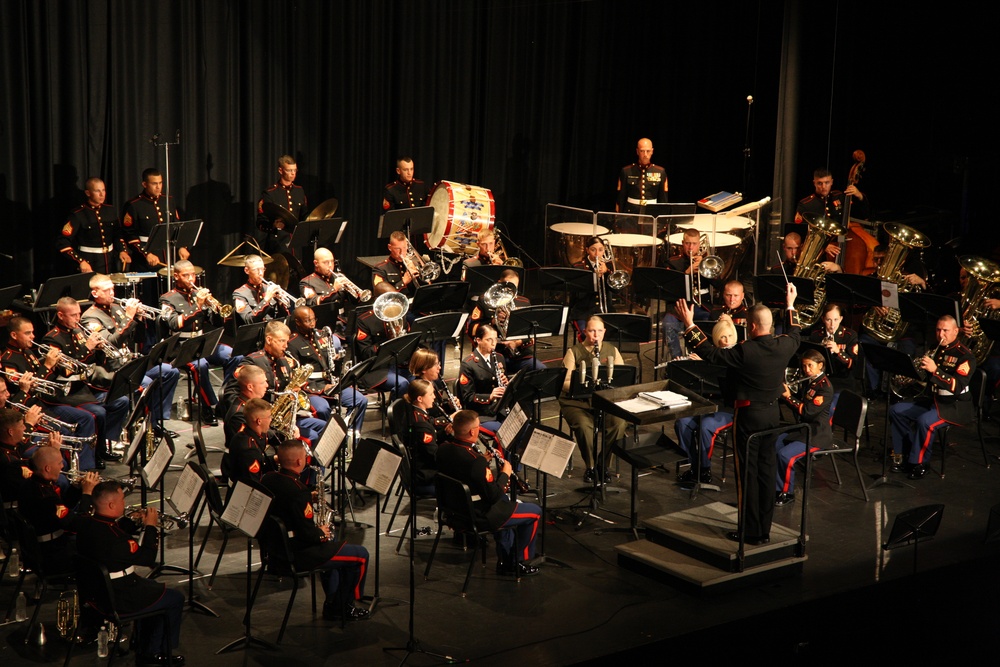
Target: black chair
[850, 415]
[398, 426]
[977, 389]
[32, 560]
[455, 509]
[95, 591]
[396, 416]
[278, 558]
[213, 500]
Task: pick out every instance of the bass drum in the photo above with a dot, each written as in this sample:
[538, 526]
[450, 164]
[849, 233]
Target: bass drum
[460, 212]
[564, 242]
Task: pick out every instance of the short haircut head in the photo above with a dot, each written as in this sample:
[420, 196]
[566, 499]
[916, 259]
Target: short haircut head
[289, 451]
[463, 420]
[249, 374]
[484, 329]
[44, 456]
[822, 172]
[150, 171]
[691, 233]
[286, 160]
[252, 259]
[99, 279]
[256, 406]
[17, 324]
[761, 316]
[277, 328]
[9, 418]
[105, 491]
[183, 266]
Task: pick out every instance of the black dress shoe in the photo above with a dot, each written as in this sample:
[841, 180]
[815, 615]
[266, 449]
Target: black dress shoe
[902, 466]
[749, 539]
[521, 569]
[160, 659]
[784, 499]
[108, 456]
[331, 612]
[99, 464]
[917, 472]
[208, 416]
[588, 476]
[173, 435]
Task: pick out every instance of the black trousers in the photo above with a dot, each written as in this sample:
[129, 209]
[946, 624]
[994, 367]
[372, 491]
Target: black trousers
[755, 463]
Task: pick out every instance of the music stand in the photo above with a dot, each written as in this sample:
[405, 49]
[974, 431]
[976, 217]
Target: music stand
[927, 308]
[418, 220]
[249, 338]
[390, 353]
[772, 289]
[53, 289]
[440, 297]
[183, 234]
[481, 278]
[914, 526]
[7, 295]
[853, 289]
[316, 233]
[889, 362]
[440, 327]
[188, 490]
[567, 281]
[197, 347]
[663, 286]
[628, 328]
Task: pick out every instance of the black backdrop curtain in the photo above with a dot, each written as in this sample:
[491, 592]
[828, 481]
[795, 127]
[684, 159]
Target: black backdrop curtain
[540, 101]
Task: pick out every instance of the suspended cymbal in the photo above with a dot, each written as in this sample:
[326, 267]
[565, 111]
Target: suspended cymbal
[325, 210]
[275, 212]
[197, 271]
[239, 260]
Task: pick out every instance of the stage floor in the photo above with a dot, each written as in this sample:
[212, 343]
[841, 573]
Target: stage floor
[583, 606]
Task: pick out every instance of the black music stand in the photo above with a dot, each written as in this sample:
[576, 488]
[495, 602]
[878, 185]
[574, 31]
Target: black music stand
[390, 353]
[923, 308]
[7, 295]
[771, 288]
[914, 526]
[197, 347]
[249, 338]
[316, 233]
[418, 220]
[440, 297]
[439, 327]
[566, 281]
[663, 286]
[854, 290]
[628, 328]
[183, 234]
[889, 362]
[53, 289]
[481, 278]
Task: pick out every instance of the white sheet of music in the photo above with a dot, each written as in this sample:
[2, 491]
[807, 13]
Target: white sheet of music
[548, 452]
[511, 425]
[329, 443]
[890, 294]
[186, 491]
[383, 471]
[158, 463]
[246, 508]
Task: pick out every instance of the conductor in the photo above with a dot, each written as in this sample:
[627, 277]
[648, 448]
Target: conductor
[759, 364]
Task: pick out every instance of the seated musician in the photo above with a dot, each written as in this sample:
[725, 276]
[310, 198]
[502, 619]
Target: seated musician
[247, 458]
[14, 469]
[733, 304]
[811, 402]
[790, 247]
[186, 309]
[396, 269]
[579, 414]
[71, 341]
[249, 382]
[106, 537]
[51, 509]
[255, 300]
[425, 364]
[517, 354]
[372, 333]
[486, 241]
[946, 399]
[345, 565]
[20, 361]
[842, 343]
[279, 368]
[324, 285]
[481, 380]
[309, 345]
[688, 262]
[598, 301]
[117, 325]
[457, 458]
[707, 428]
[420, 437]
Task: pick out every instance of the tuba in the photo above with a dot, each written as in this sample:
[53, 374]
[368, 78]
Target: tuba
[391, 308]
[984, 275]
[821, 231]
[500, 299]
[902, 238]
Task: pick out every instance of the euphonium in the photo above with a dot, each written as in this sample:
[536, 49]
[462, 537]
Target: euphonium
[500, 299]
[984, 275]
[889, 327]
[67, 613]
[391, 308]
[821, 232]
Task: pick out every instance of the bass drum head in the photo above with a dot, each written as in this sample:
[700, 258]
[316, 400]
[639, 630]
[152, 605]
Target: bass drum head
[460, 212]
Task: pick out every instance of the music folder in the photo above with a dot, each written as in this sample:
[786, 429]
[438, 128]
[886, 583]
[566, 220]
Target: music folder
[374, 465]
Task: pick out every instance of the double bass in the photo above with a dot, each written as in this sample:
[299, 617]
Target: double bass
[859, 255]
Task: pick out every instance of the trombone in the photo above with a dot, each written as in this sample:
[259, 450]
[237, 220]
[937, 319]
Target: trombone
[418, 268]
[710, 267]
[501, 252]
[43, 386]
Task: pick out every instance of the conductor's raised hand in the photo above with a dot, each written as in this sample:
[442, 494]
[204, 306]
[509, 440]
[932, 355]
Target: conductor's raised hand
[685, 312]
[791, 294]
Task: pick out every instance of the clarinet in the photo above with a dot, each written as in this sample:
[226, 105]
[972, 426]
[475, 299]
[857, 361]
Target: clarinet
[452, 399]
[501, 378]
[522, 486]
[330, 361]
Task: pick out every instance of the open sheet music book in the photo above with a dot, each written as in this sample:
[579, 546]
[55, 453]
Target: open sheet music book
[374, 465]
[186, 491]
[547, 450]
[246, 509]
[655, 400]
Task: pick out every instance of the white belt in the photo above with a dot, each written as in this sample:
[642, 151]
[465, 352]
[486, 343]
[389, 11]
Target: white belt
[291, 534]
[640, 202]
[476, 498]
[122, 573]
[51, 536]
[144, 239]
[12, 505]
[71, 378]
[190, 334]
[316, 376]
[95, 251]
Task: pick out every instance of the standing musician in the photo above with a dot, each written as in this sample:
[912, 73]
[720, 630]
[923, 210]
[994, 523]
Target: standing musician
[395, 269]
[287, 195]
[67, 337]
[256, 301]
[309, 345]
[517, 354]
[842, 343]
[707, 428]
[486, 241]
[143, 212]
[425, 364]
[345, 565]
[246, 458]
[51, 509]
[92, 238]
[278, 368]
[579, 414]
[641, 182]
[457, 458]
[371, 334]
[946, 399]
[188, 311]
[106, 537]
[421, 437]
[812, 404]
[19, 360]
[482, 381]
[759, 363]
[405, 191]
[117, 325]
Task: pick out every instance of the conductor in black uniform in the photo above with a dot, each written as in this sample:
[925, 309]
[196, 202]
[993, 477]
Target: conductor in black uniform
[760, 372]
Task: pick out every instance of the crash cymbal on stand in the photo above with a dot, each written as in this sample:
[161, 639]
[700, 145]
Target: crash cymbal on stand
[325, 210]
[275, 212]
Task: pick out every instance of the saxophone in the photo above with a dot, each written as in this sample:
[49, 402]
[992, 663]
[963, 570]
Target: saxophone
[821, 231]
[889, 327]
[984, 275]
[287, 403]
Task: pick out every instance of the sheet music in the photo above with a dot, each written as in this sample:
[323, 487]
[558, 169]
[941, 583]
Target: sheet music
[157, 464]
[511, 425]
[329, 443]
[890, 294]
[246, 508]
[186, 491]
[238, 498]
[383, 471]
[138, 439]
[548, 452]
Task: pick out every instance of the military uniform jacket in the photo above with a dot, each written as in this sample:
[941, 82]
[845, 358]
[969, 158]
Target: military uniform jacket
[93, 233]
[17, 362]
[140, 215]
[311, 349]
[399, 195]
[440, 413]
[476, 380]
[248, 458]
[74, 344]
[391, 271]
[421, 442]
[830, 206]
[949, 384]
[323, 288]
[489, 491]
[292, 504]
[180, 306]
[291, 198]
[111, 320]
[739, 315]
[638, 186]
[107, 541]
[760, 362]
[811, 404]
[250, 309]
[847, 350]
[278, 370]
[48, 508]
[14, 474]
[372, 332]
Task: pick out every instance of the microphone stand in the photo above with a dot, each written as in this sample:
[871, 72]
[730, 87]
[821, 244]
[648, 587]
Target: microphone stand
[169, 259]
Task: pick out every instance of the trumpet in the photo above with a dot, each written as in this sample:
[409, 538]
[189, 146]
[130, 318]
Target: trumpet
[164, 521]
[70, 441]
[127, 483]
[45, 420]
[141, 307]
[225, 310]
[352, 289]
[113, 353]
[290, 300]
[66, 362]
[47, 387]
